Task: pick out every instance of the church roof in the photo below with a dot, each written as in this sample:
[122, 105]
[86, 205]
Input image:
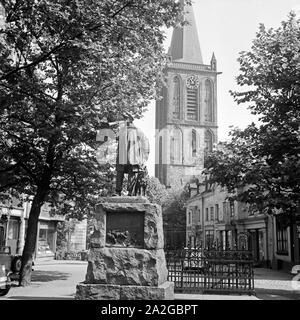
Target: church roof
[185, 46]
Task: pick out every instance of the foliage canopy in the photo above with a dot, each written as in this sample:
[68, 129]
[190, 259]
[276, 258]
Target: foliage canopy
[262, 161]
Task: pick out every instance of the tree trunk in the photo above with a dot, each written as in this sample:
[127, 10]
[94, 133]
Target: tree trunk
[32, 229]
[30, 243]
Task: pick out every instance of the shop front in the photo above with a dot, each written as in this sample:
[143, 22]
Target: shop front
[287, 241]
[254, 231]
[46, 242]
[14, 225]
[256, 244]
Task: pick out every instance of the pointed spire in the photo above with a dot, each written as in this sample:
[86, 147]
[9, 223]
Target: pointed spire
[185, 46]
[213, 62]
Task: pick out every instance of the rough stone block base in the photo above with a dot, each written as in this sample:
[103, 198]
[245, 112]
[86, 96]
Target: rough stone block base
[86, 291]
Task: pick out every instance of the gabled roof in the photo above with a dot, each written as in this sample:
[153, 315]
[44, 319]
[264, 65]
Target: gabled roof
[185, 46]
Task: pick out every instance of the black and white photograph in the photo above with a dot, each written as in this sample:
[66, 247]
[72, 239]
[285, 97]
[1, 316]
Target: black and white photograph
[149, 153]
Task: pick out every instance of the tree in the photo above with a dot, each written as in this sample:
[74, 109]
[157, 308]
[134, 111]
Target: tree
[174, 216]
[262, 162]
[156, 192]
[173, 203]
[65, 229]
[63, 66]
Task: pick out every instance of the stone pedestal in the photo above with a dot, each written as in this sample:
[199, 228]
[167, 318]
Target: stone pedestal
[126, 259]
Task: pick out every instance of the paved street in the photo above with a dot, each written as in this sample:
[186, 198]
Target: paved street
[58, 279]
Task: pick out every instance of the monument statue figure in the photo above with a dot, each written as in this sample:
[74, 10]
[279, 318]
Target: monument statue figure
[126, 258]
[132, 153]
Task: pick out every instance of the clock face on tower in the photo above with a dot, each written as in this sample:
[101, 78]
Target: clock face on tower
[192, 82]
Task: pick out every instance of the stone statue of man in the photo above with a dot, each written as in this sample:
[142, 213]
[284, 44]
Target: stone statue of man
[132, 153]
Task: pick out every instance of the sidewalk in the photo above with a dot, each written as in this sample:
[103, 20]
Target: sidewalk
[55, 279]
[274, 285]
[213, 297]
[51, 280]
[268, 284]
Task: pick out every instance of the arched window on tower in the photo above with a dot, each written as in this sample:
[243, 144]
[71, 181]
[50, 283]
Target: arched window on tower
[176, 98]
[192, 147]
[192, 104]
[176, 147]
[208, 101]
[160, 169]
[194, 143]
[208, 141]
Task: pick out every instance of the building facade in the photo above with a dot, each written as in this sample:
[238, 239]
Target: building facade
[13, 229]
[213, 220]
[186, 115]
[286, 233]
[187, 127]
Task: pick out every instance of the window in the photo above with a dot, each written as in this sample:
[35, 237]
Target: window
[206, 214]
[189, 217]
[172, 150]
[160, 169]
[212, 214]
[282, 239]
[176, 147]
[231, 209]
[209, 238]
[199, 215]
[194, 143]
[217, 212]
[13, 230]
[192, 104]
[224, 208]
[208, 101]
[176, 98]
[208, 141]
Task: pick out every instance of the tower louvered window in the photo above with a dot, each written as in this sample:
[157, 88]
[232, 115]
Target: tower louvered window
[208, 101]
[176, 98]
[192, 103]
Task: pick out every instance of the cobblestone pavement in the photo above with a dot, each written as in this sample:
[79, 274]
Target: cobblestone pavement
[58, 280]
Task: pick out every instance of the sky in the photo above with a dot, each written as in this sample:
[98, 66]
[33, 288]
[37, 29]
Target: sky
[225, 27]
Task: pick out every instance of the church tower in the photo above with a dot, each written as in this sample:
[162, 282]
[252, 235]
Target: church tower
[186, 115]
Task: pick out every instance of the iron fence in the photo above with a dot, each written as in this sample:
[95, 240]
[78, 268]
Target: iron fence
[211, 271]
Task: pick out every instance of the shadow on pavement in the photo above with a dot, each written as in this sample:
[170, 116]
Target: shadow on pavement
[273, 294]
[269, 274]
[51, 263]
[38, 298]
[46, 276]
